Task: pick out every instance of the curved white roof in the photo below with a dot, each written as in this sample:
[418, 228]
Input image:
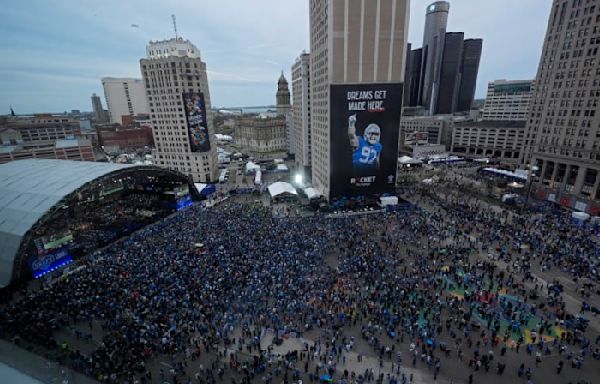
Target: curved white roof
[280, 188]
[29, 188]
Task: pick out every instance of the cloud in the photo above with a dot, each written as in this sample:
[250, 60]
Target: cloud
[243, 43]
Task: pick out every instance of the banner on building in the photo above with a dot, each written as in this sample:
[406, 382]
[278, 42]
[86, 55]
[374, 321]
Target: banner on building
[195, 113]
[416, 138]
[364, 126]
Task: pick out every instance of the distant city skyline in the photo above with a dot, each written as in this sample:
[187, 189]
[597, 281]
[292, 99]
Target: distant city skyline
[50, 65]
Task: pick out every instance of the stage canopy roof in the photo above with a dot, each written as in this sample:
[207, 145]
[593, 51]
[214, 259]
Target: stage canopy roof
[28, 189]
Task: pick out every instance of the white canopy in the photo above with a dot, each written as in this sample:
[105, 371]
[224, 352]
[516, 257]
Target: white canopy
[388, 200]
[252, 167]
[278, 161]
[508, 196]
[223, 137]
[257, 178]
[504, 172]
[280, 187]
[311, 193]
[580, 216]
[282, 167]
[200, 186]
[409, 160]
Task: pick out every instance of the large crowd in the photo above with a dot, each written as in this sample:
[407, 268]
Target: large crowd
[447, 287]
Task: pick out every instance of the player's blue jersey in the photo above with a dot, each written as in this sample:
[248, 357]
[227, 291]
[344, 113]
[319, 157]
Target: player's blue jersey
[366, 155]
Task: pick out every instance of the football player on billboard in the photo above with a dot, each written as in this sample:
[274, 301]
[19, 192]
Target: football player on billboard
[366, 148]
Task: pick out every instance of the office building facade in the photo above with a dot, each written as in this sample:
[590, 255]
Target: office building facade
[508, 100]
[498, 140]
[99, 113]
[563, 128]
[351, 42]
[468, 79]
[124, 97]
[450, 73]
[263, 137]
[301, 109]
[176, 85]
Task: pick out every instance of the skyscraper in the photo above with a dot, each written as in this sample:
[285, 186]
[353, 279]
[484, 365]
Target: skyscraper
[563, 129]
[285, 108]
[468, 79]
[301, 109]
[441, 76]
[436, 19]
[124, 96]
[356, 61]
[179, 100]
[99, 114]
[450, 74]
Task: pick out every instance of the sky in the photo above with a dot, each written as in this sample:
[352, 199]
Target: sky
[54, 53]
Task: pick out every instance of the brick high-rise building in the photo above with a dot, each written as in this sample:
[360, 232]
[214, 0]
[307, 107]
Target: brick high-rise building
[563, 129]
[179, 100]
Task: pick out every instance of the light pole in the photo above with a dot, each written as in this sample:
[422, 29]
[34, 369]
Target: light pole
[530, 175]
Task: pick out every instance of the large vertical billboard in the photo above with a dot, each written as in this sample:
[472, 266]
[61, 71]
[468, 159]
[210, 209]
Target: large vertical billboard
[364, 126]
[195, 113]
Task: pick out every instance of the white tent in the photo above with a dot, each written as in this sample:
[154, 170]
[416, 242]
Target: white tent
[280, 188]
[257, 178]
[504, 172]
[282, 167]
[508, 196]
[311, 193]
[580, 216]
[223, 137]
[200, 186]
[388, 200]
[514, 184]
[252, 167]
[278, 161]
[409, 160]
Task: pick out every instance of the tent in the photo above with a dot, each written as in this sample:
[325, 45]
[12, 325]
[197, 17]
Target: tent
[257, 178]
[205, 189]
[580, 216]
[252, 167]
[384, 201]
[407, 160]
[281, 189]
[514, 184]
[311, 193]
[282, 168]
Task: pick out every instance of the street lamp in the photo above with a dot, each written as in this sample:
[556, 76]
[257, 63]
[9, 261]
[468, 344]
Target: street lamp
[530, 175]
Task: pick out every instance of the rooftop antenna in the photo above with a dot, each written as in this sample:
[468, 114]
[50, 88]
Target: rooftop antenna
[175, 26]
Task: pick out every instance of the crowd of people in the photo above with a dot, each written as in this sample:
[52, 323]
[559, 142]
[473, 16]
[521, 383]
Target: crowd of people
[445, 288]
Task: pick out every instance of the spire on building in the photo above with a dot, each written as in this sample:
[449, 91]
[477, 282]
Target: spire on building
[283, 92]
